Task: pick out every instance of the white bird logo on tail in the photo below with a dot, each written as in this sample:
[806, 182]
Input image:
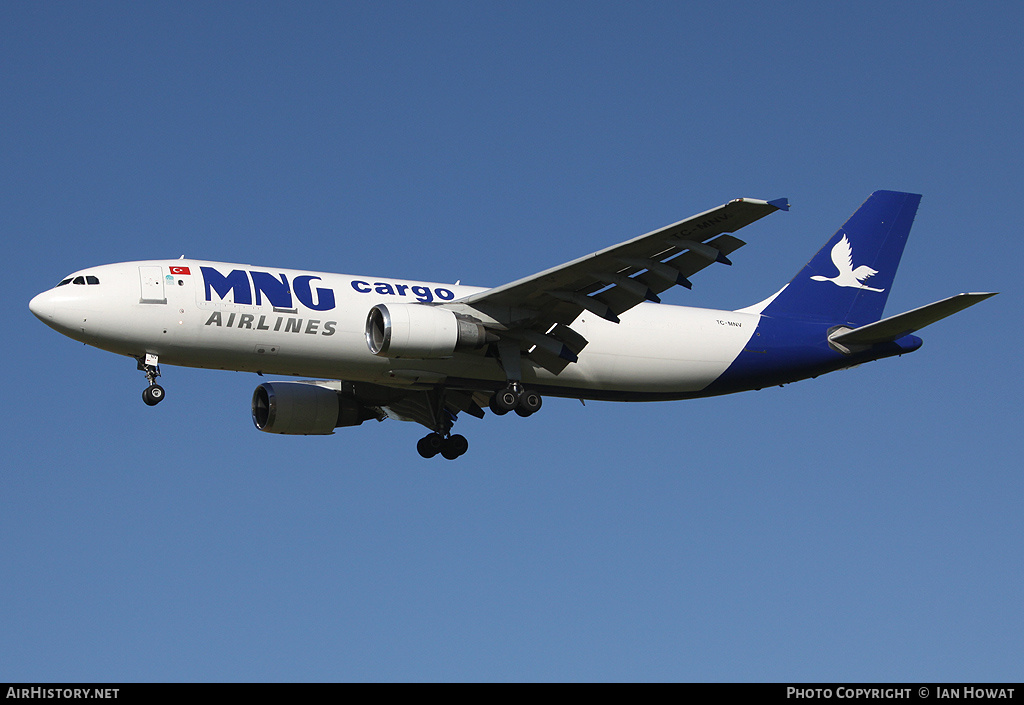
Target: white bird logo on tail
[842, 258]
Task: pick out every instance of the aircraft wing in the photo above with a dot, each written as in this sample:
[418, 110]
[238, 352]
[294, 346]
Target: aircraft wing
[537, 310]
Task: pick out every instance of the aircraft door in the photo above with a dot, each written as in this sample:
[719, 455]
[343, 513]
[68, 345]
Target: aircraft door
[152, 283]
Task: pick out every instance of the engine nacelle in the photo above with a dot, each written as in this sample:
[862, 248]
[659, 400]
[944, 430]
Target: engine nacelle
[418, 331]
[304, 409]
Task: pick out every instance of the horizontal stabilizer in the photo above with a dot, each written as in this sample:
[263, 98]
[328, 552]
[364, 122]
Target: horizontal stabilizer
[895, 327]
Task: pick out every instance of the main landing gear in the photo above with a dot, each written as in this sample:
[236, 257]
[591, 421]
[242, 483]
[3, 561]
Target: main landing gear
[515, 398]
[442, 441]
[154, 393]
[450, 448]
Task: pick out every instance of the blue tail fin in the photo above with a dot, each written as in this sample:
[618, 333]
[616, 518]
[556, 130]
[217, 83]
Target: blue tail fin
[848, 281]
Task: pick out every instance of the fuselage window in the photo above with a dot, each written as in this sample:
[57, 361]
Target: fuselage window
[89, 279]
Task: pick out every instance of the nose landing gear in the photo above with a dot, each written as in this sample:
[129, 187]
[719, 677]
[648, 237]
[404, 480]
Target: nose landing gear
[154, 393]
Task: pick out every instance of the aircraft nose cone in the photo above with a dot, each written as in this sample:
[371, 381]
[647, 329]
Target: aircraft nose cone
[42, 306]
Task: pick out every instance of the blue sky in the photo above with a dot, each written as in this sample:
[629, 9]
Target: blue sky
[864, 526]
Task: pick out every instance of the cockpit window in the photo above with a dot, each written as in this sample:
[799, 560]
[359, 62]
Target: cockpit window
[82, 279]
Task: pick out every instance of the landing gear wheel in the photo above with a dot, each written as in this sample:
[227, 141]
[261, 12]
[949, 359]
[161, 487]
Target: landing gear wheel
[529, 403]
[454, 446]
[495, 409]
[153, 394]
[504, 401]
[430, 445]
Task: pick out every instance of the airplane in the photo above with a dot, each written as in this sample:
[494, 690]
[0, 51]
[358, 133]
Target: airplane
[591, 329]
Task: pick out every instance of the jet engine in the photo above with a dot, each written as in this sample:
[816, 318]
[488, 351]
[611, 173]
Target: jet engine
[418, 331]
[301, 409]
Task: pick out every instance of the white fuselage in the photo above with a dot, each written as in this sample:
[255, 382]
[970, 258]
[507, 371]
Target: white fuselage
[311, 324]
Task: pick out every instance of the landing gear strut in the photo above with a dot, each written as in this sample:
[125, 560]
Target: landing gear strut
[154, 393]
